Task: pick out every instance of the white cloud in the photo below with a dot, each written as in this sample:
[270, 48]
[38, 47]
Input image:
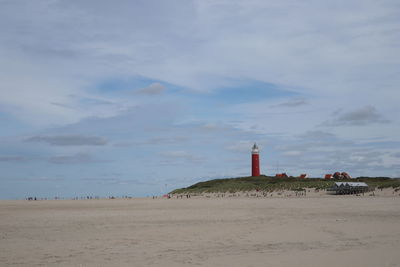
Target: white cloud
[241, 146]
[317, 135]
[79, 158]
[313, 46]
[293, 153]
[152, 89]
[12, 158]
[293, 103]
[358, 117]
[173, 156]
[69, 140]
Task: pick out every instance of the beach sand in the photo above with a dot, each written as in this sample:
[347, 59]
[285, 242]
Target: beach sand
[203, 231]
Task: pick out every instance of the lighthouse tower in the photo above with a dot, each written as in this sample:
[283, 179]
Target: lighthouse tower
[255, 161]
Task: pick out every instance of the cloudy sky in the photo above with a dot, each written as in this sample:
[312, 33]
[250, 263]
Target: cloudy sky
[140, 97]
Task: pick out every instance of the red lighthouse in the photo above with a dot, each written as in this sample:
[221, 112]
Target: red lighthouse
[255, 161]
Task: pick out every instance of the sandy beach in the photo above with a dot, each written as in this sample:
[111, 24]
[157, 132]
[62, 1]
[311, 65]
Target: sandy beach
[204, 231]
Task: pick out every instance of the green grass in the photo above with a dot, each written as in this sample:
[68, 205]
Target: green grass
[266, 183]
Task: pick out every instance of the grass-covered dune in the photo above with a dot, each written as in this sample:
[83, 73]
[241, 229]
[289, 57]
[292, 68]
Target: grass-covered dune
[267, 183]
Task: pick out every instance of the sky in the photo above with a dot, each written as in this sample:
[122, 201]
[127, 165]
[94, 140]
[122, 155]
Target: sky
[141, 97]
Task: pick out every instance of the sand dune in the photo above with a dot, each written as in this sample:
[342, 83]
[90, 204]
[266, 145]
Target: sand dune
[321, 231]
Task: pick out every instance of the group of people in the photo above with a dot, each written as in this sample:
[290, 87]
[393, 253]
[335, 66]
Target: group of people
[76, 198]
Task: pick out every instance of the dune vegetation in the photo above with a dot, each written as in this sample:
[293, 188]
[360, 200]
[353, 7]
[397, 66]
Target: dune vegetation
[268, 183]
